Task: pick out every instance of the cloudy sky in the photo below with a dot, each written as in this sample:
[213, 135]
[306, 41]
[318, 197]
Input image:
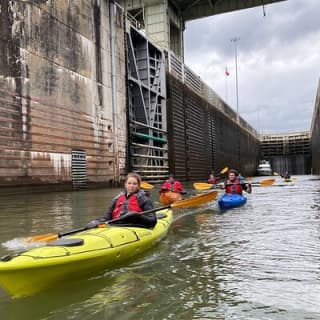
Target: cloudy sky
[278, 62]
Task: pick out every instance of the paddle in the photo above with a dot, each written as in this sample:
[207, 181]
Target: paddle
[146, 185]
[224, 170]
[276, 174]
[203, 186]
[191, 202]
[262, 183]
[206, 186]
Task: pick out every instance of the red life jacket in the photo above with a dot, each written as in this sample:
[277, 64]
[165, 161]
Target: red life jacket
[124, 204]
[176, 186]
[213, 180]
[234, 187]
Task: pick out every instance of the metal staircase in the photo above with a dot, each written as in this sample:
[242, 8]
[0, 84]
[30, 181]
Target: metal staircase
[148, 146]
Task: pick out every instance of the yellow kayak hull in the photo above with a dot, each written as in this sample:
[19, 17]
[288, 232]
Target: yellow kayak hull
[103, 248]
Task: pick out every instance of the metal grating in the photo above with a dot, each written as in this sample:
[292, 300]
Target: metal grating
[147, 116]
[79, 171]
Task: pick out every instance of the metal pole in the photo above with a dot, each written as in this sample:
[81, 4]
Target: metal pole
[234, 40]
[226, 88]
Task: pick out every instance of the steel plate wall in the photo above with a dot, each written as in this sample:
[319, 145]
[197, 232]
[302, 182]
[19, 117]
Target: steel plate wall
[202, 138]
[198, 147]
[176, 128]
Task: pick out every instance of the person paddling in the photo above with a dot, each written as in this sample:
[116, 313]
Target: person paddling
[286, 175]
[130, 203]
[235, 185]
[171, 191]
[172, 185]
[128, 206]
[213, 179]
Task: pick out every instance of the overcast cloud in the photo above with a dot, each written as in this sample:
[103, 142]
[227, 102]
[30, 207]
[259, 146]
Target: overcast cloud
[278, 62]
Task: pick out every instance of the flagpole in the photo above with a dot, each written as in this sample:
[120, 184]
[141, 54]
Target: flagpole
[226, 84]
[234, 40]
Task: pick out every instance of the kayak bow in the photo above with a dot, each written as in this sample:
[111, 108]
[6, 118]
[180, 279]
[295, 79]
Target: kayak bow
[228, 201]
[74, 257]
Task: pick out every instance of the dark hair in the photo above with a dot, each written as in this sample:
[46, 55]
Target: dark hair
[233, 171]
[133, 175]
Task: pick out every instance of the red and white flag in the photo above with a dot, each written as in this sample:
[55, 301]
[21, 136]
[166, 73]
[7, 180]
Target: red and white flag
[227, 72]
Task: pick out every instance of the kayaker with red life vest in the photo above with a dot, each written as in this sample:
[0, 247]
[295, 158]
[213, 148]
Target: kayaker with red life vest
[172, 185]
[212, 179]
[234, 184]
[131, 203]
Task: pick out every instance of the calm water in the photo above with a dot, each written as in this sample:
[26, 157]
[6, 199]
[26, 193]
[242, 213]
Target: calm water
[260, 261]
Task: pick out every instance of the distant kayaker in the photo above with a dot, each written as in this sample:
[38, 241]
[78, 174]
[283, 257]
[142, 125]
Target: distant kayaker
[131, 203]
[234, 184]
[213, 179]
[286, 175]
[172, 185]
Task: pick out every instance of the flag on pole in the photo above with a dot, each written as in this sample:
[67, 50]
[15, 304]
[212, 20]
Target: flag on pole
[227, 72]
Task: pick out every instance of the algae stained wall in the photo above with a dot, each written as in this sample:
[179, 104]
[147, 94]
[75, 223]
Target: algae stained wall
[62, 90]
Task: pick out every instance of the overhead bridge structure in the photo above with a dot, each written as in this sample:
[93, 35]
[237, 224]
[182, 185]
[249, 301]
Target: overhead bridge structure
[164, 20]
[195, 9]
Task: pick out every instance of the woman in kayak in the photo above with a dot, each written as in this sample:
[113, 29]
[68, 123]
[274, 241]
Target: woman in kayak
[234, 184]
[128, 206]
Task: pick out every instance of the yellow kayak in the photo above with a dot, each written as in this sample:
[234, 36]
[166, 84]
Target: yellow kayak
[82, 254]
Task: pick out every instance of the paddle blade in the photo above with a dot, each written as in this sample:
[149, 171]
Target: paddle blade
[202, 186]
[276, 174]
[224, 170]
[146, 185]
[195, 201]
[43, 238]
[267, 182]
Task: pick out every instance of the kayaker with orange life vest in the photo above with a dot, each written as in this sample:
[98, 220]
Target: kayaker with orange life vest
[235, 185]
[130, 203]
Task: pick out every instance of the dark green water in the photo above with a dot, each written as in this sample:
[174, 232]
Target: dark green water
[260, 261]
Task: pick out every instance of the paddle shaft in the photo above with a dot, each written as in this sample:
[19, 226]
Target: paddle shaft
[62, 234]
[186, 203]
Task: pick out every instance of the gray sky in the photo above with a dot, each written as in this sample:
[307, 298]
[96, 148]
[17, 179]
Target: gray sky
[278, 62]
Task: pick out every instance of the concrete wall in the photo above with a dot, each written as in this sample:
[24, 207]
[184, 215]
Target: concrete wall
[62, 88]
[315, 135]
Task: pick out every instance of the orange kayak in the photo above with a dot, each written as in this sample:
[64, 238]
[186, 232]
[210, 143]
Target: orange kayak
[170, 197]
